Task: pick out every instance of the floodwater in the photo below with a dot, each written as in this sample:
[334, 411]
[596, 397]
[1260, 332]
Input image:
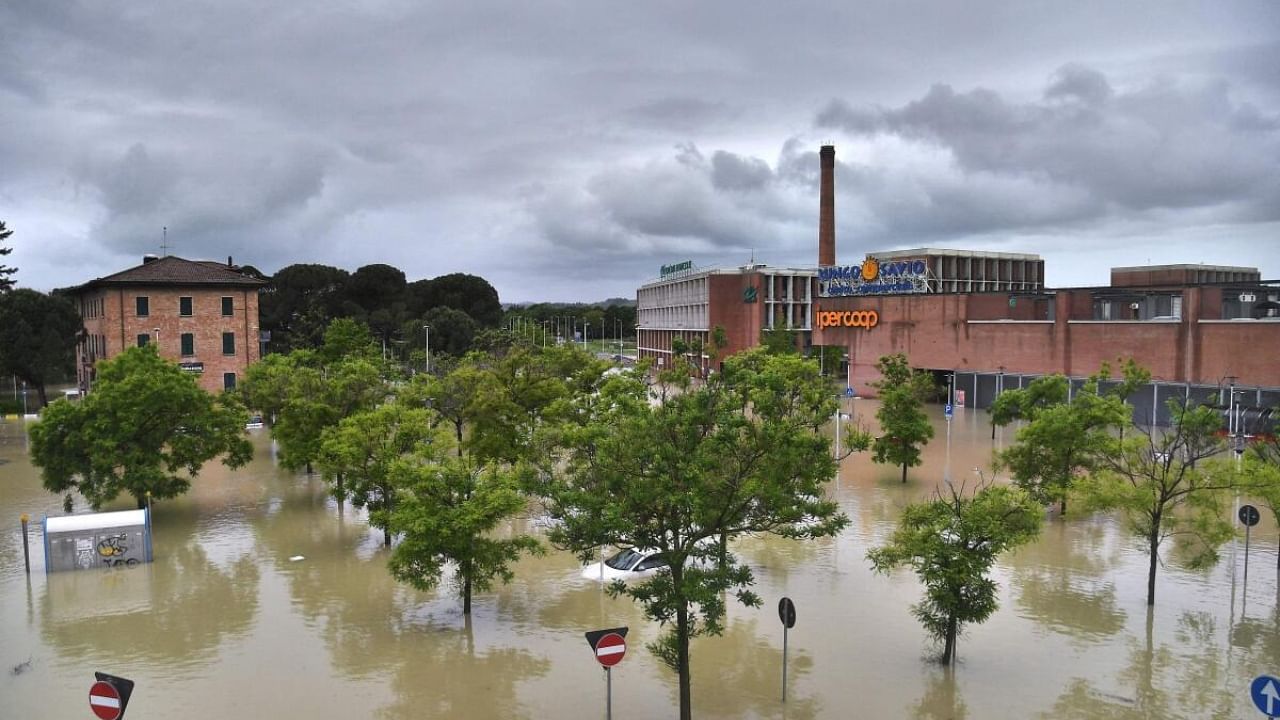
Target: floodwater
[224, 623]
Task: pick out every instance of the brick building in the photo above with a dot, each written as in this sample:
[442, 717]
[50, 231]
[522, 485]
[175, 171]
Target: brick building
[201, 314]
[984, 321]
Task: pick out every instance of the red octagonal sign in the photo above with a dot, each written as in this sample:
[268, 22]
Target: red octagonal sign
[104, 700]
[610, 649]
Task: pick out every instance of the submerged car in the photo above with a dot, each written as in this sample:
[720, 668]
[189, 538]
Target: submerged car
[255, 423]
[629, 564]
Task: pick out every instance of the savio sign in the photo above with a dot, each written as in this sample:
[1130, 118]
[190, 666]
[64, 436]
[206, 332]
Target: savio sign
[841, 318]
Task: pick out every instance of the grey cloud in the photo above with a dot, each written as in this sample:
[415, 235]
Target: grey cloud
[1160, 145]
[733, 172]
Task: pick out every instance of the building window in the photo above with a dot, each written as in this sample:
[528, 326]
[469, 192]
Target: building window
[228, 343]
[143, 339]
[228, 381]
[228, 308]
[143, 304]
[184, 307]
[188, 344]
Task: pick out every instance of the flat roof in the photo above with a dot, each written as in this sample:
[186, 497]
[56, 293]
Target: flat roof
[95, 521]
[1187, 266]
[761, 268]
[987, 254]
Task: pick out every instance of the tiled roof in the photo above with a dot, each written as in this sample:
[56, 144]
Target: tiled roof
[173, 270]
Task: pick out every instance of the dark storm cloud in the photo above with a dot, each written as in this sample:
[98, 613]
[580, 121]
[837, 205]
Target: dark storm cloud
[566, 148]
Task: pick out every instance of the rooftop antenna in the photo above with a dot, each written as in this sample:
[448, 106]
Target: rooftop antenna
[164, 241]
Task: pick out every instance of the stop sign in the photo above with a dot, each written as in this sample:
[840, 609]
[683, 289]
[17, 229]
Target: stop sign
[104, 700]
[610, 649]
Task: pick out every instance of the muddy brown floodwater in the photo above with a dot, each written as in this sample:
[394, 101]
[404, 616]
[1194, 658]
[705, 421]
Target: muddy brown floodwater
[224, 625]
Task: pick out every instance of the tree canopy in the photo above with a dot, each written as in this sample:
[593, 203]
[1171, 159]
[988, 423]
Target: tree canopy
[1161, 482]
[904, 427]
[6, 272]
[702, 464]
[38, 336]
[951, 542]
[1062, 438]
[146, 429]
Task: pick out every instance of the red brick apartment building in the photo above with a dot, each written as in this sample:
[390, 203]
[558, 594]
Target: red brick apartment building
[201, 314]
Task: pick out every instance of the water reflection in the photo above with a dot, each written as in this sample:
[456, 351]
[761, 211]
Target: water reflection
[941, 700]
[226, 605]
[175, 612]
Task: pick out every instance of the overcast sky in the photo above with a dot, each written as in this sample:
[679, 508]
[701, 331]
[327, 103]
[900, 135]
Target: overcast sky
[565, 151]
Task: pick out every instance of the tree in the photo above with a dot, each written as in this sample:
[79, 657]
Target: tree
[146, 429]
[739, 454]
[1160, 483]
[446, 513]
[38, 335]
[376, 286]
[951, 542]
[346, 338]
[6, 282]
[299, 304]
[452, 331]
[904, 427]
[1062, 439]
[1262, 475]
[778, 340]
[361, 450]
[471, 294]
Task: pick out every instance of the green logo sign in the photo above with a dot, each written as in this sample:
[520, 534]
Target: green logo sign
[749, 294]
[678, 267]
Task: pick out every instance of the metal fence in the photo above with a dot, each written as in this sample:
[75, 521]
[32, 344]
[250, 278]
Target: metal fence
[1258, 408]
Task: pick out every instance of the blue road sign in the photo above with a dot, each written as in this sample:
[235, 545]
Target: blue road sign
[948, 410]
[1265, 692]
[848, 391]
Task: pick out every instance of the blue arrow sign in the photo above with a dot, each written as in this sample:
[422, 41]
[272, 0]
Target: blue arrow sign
[1265, 692]
[848, 391]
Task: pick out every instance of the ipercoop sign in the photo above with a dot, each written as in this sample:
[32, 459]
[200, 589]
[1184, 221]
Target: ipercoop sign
[842, 318]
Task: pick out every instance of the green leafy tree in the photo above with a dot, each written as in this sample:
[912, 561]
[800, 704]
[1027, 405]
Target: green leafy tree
[778, 341]
[317, 399]
[1161, 483]
[146, 429]
[1262, 477]
[951, 542]
[447, 512]
[346, 337]
[904, 427]
[741, 453]
[38, 335]
[1062, 438]
[361, 450]
[6, 281]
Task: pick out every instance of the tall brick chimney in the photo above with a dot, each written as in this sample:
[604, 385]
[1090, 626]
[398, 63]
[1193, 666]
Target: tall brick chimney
[827, 208]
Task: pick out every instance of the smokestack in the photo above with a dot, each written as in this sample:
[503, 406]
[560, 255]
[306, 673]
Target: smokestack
[827, 208]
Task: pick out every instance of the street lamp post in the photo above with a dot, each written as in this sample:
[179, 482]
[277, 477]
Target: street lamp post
[999, 388]
[586, 329]
[427, 340]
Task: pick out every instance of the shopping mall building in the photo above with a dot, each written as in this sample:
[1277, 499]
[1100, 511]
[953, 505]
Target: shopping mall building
[984, 317]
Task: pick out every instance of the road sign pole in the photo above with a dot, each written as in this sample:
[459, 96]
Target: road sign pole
[608, 693]
[26, 549]
[1246, 554]
[784, 663]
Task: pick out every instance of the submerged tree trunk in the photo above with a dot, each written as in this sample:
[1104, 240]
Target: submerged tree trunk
[904, 473]
[682, 649]
[465, 569]
[949, 644]
[1154, 548]
[44, 397]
